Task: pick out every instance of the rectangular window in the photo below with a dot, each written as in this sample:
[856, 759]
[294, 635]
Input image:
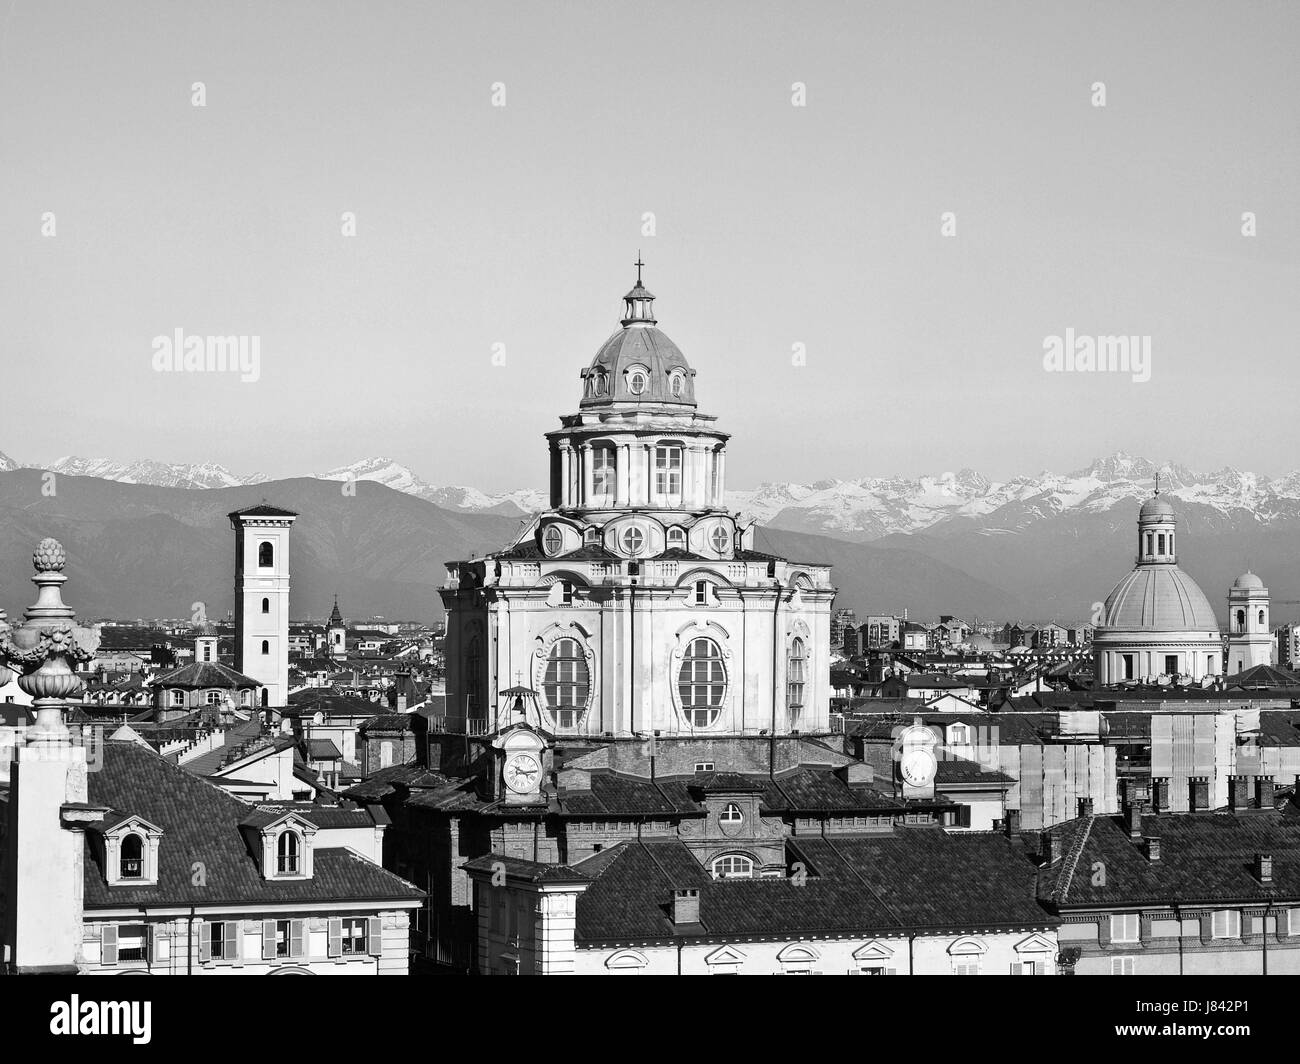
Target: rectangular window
[668, 470]
[1226, 923]
[1171, 664]
[1125, 927]
[354, 934]
[602, 472]
[283, 937]
[133, 942]
[966, 966]
[1123, 966]
[1128, 666]
[217, 941]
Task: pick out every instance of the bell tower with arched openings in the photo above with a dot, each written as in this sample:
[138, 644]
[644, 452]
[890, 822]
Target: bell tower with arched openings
[262, 598]
[1250, 642]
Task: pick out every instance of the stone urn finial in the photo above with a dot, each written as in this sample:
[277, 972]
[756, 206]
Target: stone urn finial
[44, 648]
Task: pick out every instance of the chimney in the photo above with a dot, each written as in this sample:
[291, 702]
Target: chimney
[1051, 848]
[1013, 822]
[1160, 794]
[686, 906]
[1085, 807]
[1153, 848]
[1265, 789]
[1133, 818]
[1198, 794]
[1264, 867]
[1239, 789]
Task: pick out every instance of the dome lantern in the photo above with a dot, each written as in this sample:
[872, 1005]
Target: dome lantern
[638, 304]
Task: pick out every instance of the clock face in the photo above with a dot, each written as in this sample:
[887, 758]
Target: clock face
[523, 773]
[917, 767]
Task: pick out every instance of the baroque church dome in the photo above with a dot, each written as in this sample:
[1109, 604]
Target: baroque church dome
[638, 365]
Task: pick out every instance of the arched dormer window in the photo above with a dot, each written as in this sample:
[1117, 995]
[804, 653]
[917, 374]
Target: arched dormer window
[638, 379]
[676, 538]
[266, 605]
[132, 857]
[733, 866]
[287, 853]
[677, 384]
[265, 555]
[552, 540]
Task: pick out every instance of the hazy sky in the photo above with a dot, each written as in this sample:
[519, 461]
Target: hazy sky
[776, 225]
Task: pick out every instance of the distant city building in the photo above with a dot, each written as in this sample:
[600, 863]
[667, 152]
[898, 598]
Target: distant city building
[1250, 642]
[262, 598]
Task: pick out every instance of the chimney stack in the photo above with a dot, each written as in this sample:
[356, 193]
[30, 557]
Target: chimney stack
[1239, 789]
[1198, 794]
[1012, 822]
[1085, 807]
[686, 906]
[1160, 794]
[1133, 818]
[1265, 789]
[1153, 848]
[1264, 867]
[1051, 848]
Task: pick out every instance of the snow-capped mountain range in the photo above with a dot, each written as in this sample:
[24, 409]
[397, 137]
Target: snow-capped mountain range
[864, 509]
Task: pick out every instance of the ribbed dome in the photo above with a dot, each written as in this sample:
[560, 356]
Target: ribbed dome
[1159, 598]
[1155, 507]
[639, 355]
[1248, 581]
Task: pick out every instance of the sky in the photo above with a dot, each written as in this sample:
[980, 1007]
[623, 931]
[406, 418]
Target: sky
[489, 234]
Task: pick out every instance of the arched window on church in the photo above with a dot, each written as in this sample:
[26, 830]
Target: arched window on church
[566, 683]
[603, 472]
[677, 538]
[266, 646]
[265, 555]
[1241, 620]
[702, 682]
[266, 605]
[796, 672]
[473, 677]
[1261, 618]
[132, 863]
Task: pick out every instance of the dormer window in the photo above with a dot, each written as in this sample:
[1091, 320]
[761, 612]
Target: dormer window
[566, 593]
[677, 538]
[633, 541]
[553, 540]
[287, 850]
[131, 853]
[178, 697]
[731, 814]
[131, 863]
[677, 385]
[637, 380]
[719, 538]
[701, 592]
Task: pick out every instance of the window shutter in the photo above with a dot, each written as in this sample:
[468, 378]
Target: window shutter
[232, 940]
[268, 940]
[336, 938]
[148, 943]
[1038, 967]
[108, 945]
[296, 944]
[205, 943]
[1015, 967]
[891, 971]
[375, 938]
[853, 971]
[963, 816]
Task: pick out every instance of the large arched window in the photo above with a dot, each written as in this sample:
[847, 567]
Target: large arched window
[1241, 620]
[733, 866]
[132, 864]
[286, 854]
[702, 682]
[668, 469]
[265, 555]
[796, 671]
[566, 683]
[603, 472]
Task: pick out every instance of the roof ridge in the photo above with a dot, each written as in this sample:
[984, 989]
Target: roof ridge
[1064, 880]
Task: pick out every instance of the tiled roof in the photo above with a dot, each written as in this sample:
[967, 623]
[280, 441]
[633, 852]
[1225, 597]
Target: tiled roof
[262, 510]
[200, 822]
[384, 782]
[387, 722]
[323, 750]
[201, 674]
[530, 871]
[912, 879]
[956, 770]
[1204, 857]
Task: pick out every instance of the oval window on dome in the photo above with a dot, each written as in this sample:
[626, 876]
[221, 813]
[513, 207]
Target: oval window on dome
[719, 538]
[633, 540]
[677, 385]
[637, 381]
[553, 540]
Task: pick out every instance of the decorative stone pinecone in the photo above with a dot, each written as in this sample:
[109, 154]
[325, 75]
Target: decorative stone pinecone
[49, 557]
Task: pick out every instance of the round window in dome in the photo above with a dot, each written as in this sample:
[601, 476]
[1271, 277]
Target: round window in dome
[553, 540]
[637, 381]
[677, 384]
[633, 541]
[719, 539]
